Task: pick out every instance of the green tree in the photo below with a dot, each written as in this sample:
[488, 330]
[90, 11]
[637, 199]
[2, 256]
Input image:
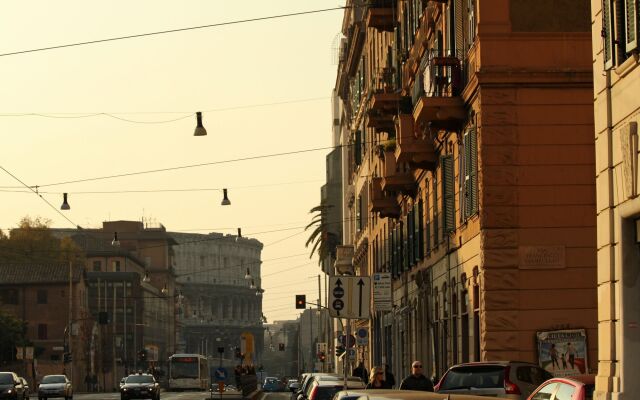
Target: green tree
[33, 242]
[12, 334]
[322, 241]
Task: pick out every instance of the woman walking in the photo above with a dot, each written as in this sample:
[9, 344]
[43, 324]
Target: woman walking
[376, 379]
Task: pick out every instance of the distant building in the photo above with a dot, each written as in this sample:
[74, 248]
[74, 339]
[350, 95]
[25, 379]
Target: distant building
[39, 294]
[281, 350]
[224, 309]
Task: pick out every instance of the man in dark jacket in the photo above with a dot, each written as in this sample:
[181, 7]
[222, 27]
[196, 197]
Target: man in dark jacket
[416, 381]
[361, 372]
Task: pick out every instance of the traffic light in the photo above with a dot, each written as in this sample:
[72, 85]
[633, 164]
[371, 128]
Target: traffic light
[339, 350]
[301, 301]
[321, 356]
[281, 346]
[142, 355]
[67, 358]
[238, 353]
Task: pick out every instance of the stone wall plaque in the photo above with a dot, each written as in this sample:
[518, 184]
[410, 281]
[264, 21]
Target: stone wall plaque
[629, 150]
[533, 257]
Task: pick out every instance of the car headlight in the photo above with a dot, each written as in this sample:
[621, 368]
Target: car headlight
[124, 389]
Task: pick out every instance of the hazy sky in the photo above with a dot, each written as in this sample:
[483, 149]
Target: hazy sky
[225, 72]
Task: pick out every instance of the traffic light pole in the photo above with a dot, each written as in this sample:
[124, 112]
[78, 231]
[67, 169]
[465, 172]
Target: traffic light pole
[345, 362]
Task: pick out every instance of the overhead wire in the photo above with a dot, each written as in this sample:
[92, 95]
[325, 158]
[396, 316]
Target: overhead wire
[171, 31]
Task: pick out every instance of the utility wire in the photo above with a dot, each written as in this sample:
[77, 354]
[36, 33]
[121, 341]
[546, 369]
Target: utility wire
[39, 195]
[77, 115]
[171, 31]
[192, 166]
[161, 190]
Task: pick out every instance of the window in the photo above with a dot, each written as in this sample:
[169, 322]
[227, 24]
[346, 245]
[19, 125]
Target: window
[9, 296]
[97, 266]
[202, 261]
[545, 392]
[42, 331]
[116, 266]
[471, 17]
[620, 29]
[565, 392]
[42, 296]
[436, 213]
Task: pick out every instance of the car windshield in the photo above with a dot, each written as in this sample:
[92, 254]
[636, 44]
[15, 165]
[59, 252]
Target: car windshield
[140, 379]
[488, 376]
[53, 379]
[6, 379]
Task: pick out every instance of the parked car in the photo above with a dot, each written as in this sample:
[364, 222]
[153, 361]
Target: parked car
[55, 386]
[574, 388]
[328, 379]
[272, 384]
[325, 389]
[293, 385]
[395, 394]
[140, 386]
[504, 379]
[11, 386]
[25, 385]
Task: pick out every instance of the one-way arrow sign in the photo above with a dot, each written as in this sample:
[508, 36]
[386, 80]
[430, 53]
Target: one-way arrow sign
[350, 297]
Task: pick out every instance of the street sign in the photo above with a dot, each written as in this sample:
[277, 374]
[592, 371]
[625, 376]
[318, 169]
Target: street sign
[220, 374]
[343, 340]
[362, 336]
[352, 354]
[321, 347]
[382, 292]
[350, 297]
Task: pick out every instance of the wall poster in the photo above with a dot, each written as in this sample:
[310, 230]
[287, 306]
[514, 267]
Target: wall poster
[563, 352]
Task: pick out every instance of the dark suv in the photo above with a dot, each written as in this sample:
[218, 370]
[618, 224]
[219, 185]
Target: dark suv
[505, 379]
[11, 386]
[140, 386]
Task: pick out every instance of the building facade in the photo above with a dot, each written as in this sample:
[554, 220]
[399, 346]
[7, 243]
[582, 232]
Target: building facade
[53, 299]
[616, 79]
[467, 129]
[220, 279]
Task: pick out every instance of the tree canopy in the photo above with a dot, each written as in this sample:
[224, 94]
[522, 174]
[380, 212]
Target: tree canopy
[33, 242]
[12, 334]
[323, 242]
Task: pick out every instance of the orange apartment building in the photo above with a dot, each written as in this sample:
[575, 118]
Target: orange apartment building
[469, 175]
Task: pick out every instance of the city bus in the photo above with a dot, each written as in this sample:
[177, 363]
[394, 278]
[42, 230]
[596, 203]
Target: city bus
[188, 372]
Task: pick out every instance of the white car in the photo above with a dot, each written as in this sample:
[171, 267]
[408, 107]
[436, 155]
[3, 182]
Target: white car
[53, 386]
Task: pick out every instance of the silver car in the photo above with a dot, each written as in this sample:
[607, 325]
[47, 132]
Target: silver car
[53, 386]
[505, 379]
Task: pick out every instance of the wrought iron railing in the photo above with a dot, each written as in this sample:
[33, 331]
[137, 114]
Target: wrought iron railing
[441, 74]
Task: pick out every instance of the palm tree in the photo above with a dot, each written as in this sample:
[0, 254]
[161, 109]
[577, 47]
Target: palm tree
[323, 242]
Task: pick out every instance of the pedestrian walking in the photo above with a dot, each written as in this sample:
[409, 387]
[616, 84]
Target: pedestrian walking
[388, 377]
[416, 381]
[376, 379]
[361, 372]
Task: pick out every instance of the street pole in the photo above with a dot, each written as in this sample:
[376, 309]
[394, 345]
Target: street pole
[124, 312]
[113, 342]
[319, 316]
[70, 317]
[311, 340]
[135, 335]
[345, 360]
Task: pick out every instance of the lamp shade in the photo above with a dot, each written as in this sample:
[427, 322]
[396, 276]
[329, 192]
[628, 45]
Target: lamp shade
[199, 131]
[225, 198]
[65, 204]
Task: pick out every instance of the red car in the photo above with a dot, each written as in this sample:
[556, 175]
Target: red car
[574, 388]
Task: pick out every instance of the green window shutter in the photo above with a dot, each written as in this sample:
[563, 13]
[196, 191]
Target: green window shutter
[410, 258]
[420, 219]
[417, 237]
[448, 194]
[436, 212]
[399, 248]
[607, 32]
[473, 171]
[358, 148]
[393, 252]
[631, 24]
[404, 250]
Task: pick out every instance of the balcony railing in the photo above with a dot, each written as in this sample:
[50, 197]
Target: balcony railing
[379, 202]
[438, 86]
[411, 149]
[397, 178]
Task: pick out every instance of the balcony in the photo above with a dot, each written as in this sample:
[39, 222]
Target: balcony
[418, 153]
[436, 91]
[386, 101]
[380, 15]
[396, 178]
[379, 202]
